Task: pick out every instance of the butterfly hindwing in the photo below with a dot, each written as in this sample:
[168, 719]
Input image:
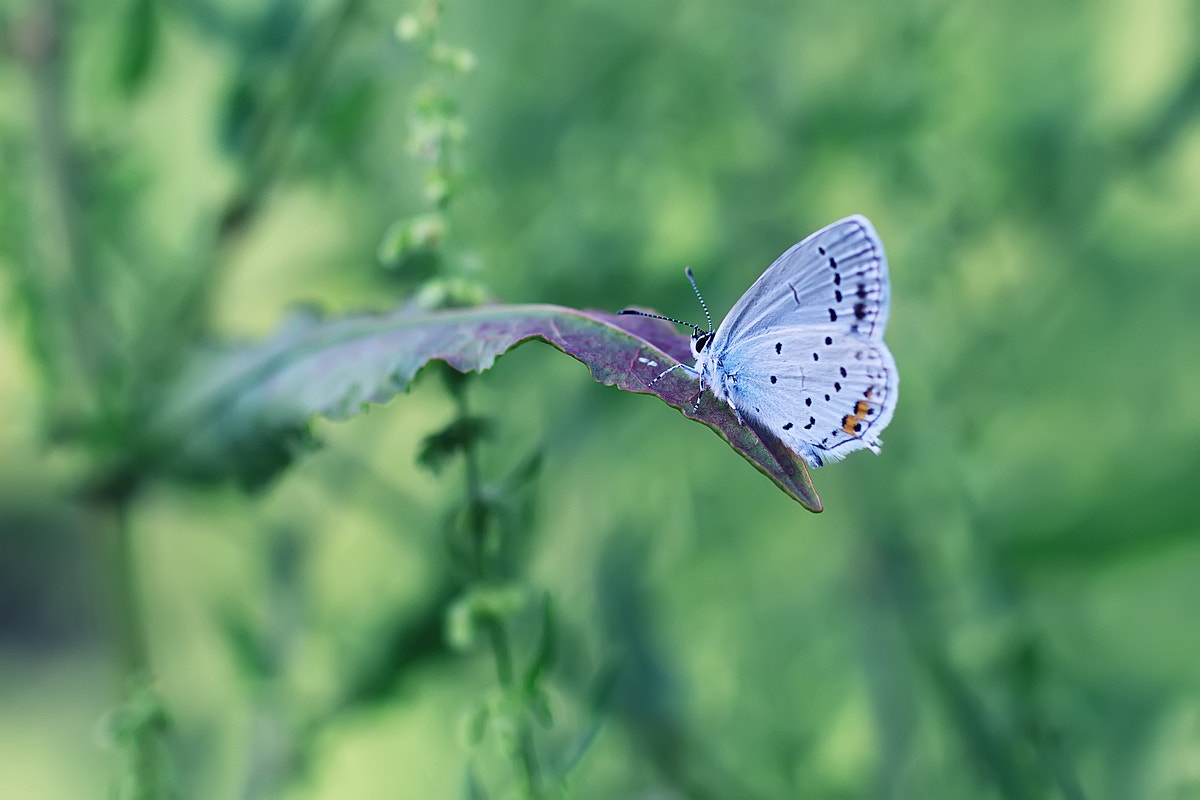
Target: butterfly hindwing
[822, 391]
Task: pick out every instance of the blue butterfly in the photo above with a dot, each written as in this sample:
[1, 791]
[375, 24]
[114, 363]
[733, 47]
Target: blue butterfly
[801, 354]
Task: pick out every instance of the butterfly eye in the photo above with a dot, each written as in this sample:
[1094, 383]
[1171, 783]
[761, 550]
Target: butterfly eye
[699, 342]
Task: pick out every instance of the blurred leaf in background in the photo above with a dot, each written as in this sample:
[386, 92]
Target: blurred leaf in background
[1000, 605]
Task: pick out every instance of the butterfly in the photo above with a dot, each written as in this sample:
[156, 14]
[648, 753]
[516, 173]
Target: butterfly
[801, 354]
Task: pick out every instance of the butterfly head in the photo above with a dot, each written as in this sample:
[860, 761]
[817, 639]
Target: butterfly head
[700, 341]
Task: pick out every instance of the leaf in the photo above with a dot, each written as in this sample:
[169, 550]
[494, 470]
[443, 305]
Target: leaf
[245, 411]
[524, 472]
[546, 649]
[472, 788]
[599, 698]
[461, 433]
[139, 45]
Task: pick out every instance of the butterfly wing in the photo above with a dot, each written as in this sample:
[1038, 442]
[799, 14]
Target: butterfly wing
[836, 276]
[802, 353]
[823, 391]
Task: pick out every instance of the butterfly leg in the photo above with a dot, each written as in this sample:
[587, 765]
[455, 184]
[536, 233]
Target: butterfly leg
[728, 392]
[664, 374]
[685, 367]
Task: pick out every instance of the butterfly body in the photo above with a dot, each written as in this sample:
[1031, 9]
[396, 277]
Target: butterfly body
[801, 354]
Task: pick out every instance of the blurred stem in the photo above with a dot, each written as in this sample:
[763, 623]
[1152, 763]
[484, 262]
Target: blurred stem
[271, 129]
[479, 522]
[64, 274]
[477, 511]
[141, 731]
[133, 652]
[902, 586]
[73, 318]
[267, 152]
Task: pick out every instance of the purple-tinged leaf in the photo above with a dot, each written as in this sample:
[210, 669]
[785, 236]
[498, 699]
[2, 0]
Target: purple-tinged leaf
[243, 411]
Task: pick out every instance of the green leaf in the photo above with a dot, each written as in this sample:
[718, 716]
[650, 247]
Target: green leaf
[250, 651]
[473, 724]
[244, 412]
[460, 434]
[547, 648]
[523, 473]
[241, 104]
[139, 44]
[411, 245]
[472, 788]
[599, 699]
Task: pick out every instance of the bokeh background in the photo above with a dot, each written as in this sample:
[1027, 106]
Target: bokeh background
[1004, 604]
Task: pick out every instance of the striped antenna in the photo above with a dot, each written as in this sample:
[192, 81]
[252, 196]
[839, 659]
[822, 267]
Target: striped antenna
[697, 329]
[692, 278]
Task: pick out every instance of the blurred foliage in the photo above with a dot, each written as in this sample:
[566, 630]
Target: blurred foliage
[997, 606]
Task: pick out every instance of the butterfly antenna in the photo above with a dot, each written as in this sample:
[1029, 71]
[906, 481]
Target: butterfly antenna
[700, 297]
[696, 328]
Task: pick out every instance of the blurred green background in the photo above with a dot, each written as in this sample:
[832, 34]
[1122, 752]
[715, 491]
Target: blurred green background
[1003, 604]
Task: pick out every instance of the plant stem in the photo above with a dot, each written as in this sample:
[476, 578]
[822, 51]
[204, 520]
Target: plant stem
[141, 730]
[272, 129]
[65, 273]
[477, 511]
[479, 520]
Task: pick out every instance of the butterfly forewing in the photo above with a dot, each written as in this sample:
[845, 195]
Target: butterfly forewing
[837, 276]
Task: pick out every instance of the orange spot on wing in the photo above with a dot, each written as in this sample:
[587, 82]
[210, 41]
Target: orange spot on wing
[852, 423]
